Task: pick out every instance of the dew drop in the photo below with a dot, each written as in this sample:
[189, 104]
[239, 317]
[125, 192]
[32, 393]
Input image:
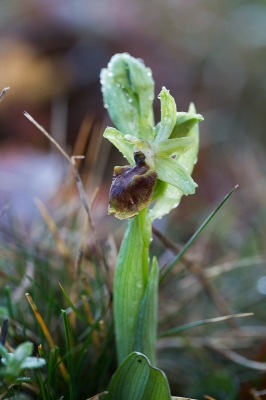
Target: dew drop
[117, 85]
[105, 105]
[122, 86]
[167, 120]
[130, 100]
[149, 73]
[110, 74]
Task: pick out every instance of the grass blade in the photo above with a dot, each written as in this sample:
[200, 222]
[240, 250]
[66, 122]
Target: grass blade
[71, 305]
[69, 357]
[174, 331]
[196, 234]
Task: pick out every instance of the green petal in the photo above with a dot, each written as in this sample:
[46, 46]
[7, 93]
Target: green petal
[189, 159]
[168, 115]
[184, 123]
[170, 171]
[171, 147]
[118, 139]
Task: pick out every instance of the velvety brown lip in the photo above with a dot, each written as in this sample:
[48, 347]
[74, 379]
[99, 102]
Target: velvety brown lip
[131, 188]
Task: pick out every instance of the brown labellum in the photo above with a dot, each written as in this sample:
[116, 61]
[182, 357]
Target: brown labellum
[131, 188]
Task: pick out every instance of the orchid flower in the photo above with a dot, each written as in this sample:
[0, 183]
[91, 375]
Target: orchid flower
[161, 156]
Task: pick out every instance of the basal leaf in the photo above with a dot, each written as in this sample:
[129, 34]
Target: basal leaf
[136, 379]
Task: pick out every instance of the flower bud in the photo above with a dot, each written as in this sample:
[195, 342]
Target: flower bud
[128, 92]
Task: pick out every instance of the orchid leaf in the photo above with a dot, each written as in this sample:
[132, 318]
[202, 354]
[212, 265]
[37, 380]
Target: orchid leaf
[129, 285]
[136, 379]
[146, 331]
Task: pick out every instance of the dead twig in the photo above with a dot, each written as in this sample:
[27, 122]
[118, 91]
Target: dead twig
[82, 194]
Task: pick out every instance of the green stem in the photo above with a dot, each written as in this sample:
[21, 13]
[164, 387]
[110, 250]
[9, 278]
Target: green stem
[130, 282]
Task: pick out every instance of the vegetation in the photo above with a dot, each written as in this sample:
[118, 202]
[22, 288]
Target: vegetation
[95, 338]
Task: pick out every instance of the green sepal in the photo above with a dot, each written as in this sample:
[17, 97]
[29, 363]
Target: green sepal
[168, 116]
[173, 147]
[189, 159]
[136, 379]
[185, 121]
[123, 145]
[146, 330]
[171, 171]
[169, 200]
[171, 196]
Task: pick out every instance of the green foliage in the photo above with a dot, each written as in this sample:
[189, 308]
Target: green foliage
[136, 379]
[131, 280]
[79, 355]
[13, 365]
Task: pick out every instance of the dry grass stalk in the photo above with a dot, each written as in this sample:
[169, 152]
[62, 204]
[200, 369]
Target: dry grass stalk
[47, 335]
[82, 194]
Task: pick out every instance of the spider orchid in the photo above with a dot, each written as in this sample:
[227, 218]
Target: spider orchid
[161, 157]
